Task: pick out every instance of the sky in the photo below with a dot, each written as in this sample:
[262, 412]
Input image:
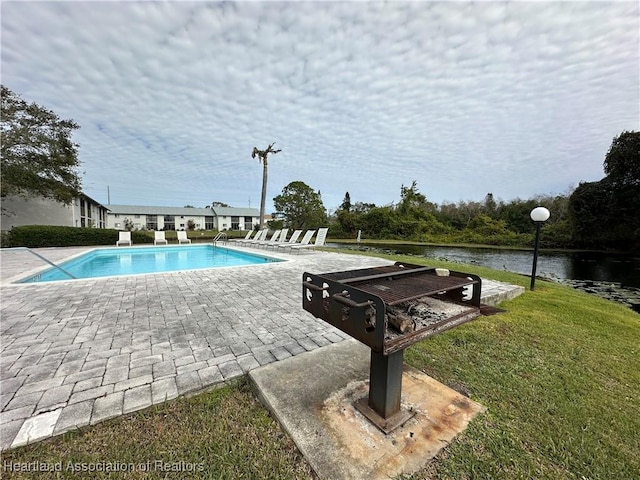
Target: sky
[513, 98]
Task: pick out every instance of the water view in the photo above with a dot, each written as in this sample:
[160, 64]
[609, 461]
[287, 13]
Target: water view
[624, 269]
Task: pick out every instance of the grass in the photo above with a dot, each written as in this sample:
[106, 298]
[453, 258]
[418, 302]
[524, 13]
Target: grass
[561, 383]
[222, 434]
[559, 374]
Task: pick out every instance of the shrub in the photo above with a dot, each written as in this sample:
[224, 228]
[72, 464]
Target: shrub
[55, 236]
[4, 239]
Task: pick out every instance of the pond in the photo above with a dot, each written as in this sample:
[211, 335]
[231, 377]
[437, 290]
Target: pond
[623, 269]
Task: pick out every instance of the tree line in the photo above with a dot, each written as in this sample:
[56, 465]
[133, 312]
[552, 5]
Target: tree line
[596, 215]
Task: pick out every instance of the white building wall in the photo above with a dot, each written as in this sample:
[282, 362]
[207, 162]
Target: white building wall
[224, 222]
[18, 211]
[112, 220]
[117, 221]
[198, 220]
[181, 221]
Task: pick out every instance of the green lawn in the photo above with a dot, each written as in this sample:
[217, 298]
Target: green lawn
[222, 434]
[559, 374]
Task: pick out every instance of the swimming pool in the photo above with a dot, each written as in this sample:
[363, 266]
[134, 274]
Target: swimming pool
[132, 261]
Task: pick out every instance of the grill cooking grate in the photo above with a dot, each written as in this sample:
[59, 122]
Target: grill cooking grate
[395, 290]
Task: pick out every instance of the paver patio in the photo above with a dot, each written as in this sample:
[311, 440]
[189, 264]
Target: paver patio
[75, 353]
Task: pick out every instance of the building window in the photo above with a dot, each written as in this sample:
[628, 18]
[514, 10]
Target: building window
[208, 223]
[117, 225]
[136, 216]
[85, 214]
[152, 222]
[117, 215]
[169, 222]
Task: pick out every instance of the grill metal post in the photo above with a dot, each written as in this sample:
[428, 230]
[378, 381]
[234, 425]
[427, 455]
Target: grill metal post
[382, 407]
[385, 387]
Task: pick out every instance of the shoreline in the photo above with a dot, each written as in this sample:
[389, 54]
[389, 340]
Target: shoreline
[372, 242]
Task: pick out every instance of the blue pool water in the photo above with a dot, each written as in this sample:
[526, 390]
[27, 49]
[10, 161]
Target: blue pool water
[131, 261]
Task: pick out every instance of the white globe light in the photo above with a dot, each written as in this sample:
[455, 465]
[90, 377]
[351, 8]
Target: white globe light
[540, 214]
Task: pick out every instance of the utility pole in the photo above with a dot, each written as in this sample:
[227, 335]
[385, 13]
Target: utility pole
[262, 157]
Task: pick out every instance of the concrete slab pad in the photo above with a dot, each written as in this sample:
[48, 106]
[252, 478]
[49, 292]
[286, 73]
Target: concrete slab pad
[312, 396]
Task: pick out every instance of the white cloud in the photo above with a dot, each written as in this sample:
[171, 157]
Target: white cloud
[513, 98]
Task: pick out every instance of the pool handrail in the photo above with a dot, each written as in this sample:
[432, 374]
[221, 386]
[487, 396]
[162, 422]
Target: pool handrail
[43, 258]
[219, 236]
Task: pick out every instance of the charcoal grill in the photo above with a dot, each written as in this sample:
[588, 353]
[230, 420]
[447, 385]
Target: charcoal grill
[389, 308]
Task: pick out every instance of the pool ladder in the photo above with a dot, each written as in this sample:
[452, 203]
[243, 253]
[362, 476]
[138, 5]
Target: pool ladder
[220, 237]
[43, 258]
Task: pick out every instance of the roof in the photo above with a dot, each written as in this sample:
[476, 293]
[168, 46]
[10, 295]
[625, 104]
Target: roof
[92, 200]
[143, 210]
[235, 212]
[217, 211]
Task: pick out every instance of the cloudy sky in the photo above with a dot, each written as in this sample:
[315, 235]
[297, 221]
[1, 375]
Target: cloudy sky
[512, 98]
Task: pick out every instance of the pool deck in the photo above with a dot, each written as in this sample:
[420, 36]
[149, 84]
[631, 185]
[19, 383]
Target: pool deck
[76, 353]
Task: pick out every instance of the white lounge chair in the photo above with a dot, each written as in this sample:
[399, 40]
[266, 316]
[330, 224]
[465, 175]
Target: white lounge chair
[257, 243]
[159, 238]
[246, 237]
[305, 240]
[294, 238]
[124, 239]
[182, 237]
[259, 234]
[320, 239]
[278, 240]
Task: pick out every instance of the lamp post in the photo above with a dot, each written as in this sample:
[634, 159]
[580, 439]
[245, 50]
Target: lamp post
[538, 215]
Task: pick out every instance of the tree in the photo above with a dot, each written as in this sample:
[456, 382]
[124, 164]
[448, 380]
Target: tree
[490, 206]
[37, 154]
[347, 222]
[128, 224]
[362, 208]
[219, 204]
[262, 157]
[378, 222]
[300, 206]
[411, 200]
[622, 163]
[516, 214]
[346, 203]
[604, 214]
